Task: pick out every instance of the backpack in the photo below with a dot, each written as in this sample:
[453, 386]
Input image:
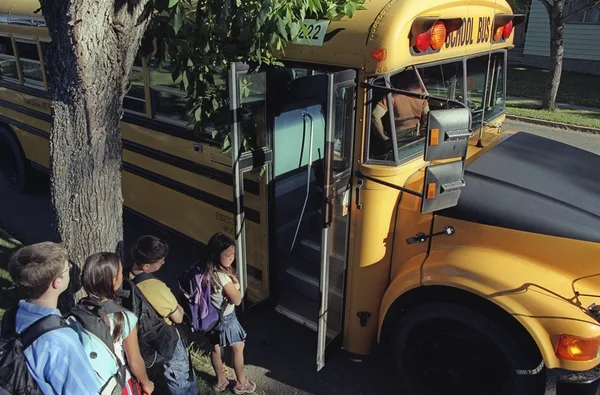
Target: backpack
[98, 342]
[156, 338]
[195, 286]
[14, 375]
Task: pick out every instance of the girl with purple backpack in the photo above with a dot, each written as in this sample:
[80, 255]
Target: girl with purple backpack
[226, 295]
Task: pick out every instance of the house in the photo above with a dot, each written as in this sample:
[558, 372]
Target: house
[582, 52]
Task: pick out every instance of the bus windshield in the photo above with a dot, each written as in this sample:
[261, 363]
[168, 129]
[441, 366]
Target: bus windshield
[462, 80]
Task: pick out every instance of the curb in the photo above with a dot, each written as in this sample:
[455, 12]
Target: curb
[576, 128]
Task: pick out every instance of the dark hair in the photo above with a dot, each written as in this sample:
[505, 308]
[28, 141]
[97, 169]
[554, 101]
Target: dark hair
[148, 249]
[218, 243]
[99, 271]
[34, 267]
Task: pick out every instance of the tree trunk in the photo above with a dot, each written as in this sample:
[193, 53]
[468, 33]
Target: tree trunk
[94, 44]
[557, 49]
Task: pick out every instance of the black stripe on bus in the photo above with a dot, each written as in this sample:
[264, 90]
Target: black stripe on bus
[223, 204]
[25, 127]
[193, 167]
[135, 119]
[184, 164]
[26, 89]
[26, 110]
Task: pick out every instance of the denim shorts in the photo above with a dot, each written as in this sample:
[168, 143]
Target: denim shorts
[227, 332]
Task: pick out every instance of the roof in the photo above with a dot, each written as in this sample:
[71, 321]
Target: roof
[349, 42]
[387, 24]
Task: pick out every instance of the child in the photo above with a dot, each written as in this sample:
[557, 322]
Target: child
[229, 332]
[56, 360]
[149, 255]
[101, 278]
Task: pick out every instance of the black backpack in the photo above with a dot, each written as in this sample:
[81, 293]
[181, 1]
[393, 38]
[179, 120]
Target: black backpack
[14, 376]
[156, 338]
[91, 316]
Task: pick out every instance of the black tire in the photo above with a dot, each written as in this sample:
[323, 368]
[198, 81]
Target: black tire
[443, 348]
[13, 163]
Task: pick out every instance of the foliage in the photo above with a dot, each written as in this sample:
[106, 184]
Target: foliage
[519, 6]
[202, 37]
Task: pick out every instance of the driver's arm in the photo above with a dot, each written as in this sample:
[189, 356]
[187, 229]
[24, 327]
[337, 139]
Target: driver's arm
[377, 115]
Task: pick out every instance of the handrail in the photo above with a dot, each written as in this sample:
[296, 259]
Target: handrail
[387, 184]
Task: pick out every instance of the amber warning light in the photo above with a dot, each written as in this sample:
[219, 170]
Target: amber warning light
[429, 34]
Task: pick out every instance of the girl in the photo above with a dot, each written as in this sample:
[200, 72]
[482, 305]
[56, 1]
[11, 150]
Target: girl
[225, 294]
[101, 278]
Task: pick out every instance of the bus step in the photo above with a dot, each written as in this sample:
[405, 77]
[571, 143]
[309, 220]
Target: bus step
[311, 251]
[305, 277]
[305, 311]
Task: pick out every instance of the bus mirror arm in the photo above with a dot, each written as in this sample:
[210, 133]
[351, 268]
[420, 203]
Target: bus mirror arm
[421, 237]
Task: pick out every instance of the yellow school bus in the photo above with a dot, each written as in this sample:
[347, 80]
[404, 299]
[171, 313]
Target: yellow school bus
[395, 213]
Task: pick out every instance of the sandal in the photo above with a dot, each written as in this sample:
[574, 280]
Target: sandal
[222, 387]
[247, 388]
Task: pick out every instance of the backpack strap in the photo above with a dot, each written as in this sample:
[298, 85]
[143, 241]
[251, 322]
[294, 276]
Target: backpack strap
[9, 322]
[41, 326]
[138, 278]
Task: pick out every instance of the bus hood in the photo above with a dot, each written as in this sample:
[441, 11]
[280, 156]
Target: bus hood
[533, 184]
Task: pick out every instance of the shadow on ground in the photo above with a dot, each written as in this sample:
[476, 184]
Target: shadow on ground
[280, 354]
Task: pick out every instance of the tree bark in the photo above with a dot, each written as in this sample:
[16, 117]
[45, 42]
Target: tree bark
[94, 44]
[557, 48]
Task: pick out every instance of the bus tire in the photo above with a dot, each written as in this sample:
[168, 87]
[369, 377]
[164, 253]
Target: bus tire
[444, 348]
[13, 163]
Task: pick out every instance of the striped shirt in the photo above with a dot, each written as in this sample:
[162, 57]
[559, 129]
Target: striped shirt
[56, 360]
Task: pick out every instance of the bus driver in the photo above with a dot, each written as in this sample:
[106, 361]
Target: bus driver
[410, 113]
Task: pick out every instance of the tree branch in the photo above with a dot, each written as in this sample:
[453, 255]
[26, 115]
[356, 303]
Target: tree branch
[549, 6]
[591, 4]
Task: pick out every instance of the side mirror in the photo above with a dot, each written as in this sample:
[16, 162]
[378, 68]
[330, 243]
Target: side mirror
[448, 133]
[443, 184]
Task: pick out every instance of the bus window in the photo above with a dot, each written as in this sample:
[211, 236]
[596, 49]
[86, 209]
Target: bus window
[45, 46]
[30, 63]
[8, 64]
[409, 116]
[476, 79]
[444, 81]
[135, 99]
[168, 101]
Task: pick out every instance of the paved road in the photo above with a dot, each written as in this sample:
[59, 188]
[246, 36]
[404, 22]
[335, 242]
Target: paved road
[280, 354]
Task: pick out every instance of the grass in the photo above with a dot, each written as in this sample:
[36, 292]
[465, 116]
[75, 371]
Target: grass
[575, 88]
[573, 117]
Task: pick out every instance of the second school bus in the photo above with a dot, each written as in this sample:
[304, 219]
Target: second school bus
[468, 252]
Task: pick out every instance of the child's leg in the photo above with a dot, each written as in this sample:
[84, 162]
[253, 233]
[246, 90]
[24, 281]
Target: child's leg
[237, 349]
[179, 375]
[217, 364]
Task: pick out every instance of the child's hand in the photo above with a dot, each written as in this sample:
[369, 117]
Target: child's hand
[147, 387]
[236, 285]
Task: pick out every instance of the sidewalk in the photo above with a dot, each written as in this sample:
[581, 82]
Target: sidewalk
[555, 124]
[560, 105]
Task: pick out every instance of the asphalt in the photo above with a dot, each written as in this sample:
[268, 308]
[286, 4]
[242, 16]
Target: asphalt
[280, 354]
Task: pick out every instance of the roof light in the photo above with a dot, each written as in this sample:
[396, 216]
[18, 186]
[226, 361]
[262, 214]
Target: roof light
[507, 31]
[573, 348]
[423, 41]
[498, 33]
[438, 35]
[379, 54]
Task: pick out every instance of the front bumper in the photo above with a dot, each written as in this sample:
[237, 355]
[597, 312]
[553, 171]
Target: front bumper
[577, 383]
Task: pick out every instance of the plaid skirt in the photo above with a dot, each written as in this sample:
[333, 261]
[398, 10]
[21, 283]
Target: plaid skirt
[227, 332]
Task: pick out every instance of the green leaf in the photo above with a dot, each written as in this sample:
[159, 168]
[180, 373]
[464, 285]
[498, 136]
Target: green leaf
[215, 133]
[173, 3]
[198, 114]
[350, 9]
[186, 82]
[226, 146]
[177, 19]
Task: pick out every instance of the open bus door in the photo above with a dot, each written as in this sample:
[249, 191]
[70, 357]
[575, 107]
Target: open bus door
[312, 116]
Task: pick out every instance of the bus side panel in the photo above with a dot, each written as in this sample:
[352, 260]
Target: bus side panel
[36, 148]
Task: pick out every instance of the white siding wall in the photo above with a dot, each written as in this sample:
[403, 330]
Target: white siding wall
[581, 40]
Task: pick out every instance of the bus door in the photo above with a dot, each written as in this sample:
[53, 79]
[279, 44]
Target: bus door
[312, 134]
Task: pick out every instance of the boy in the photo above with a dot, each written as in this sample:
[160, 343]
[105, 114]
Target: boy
[56, 360]
[149, 255]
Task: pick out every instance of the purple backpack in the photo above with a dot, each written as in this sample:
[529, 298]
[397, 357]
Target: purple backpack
[204, 316]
